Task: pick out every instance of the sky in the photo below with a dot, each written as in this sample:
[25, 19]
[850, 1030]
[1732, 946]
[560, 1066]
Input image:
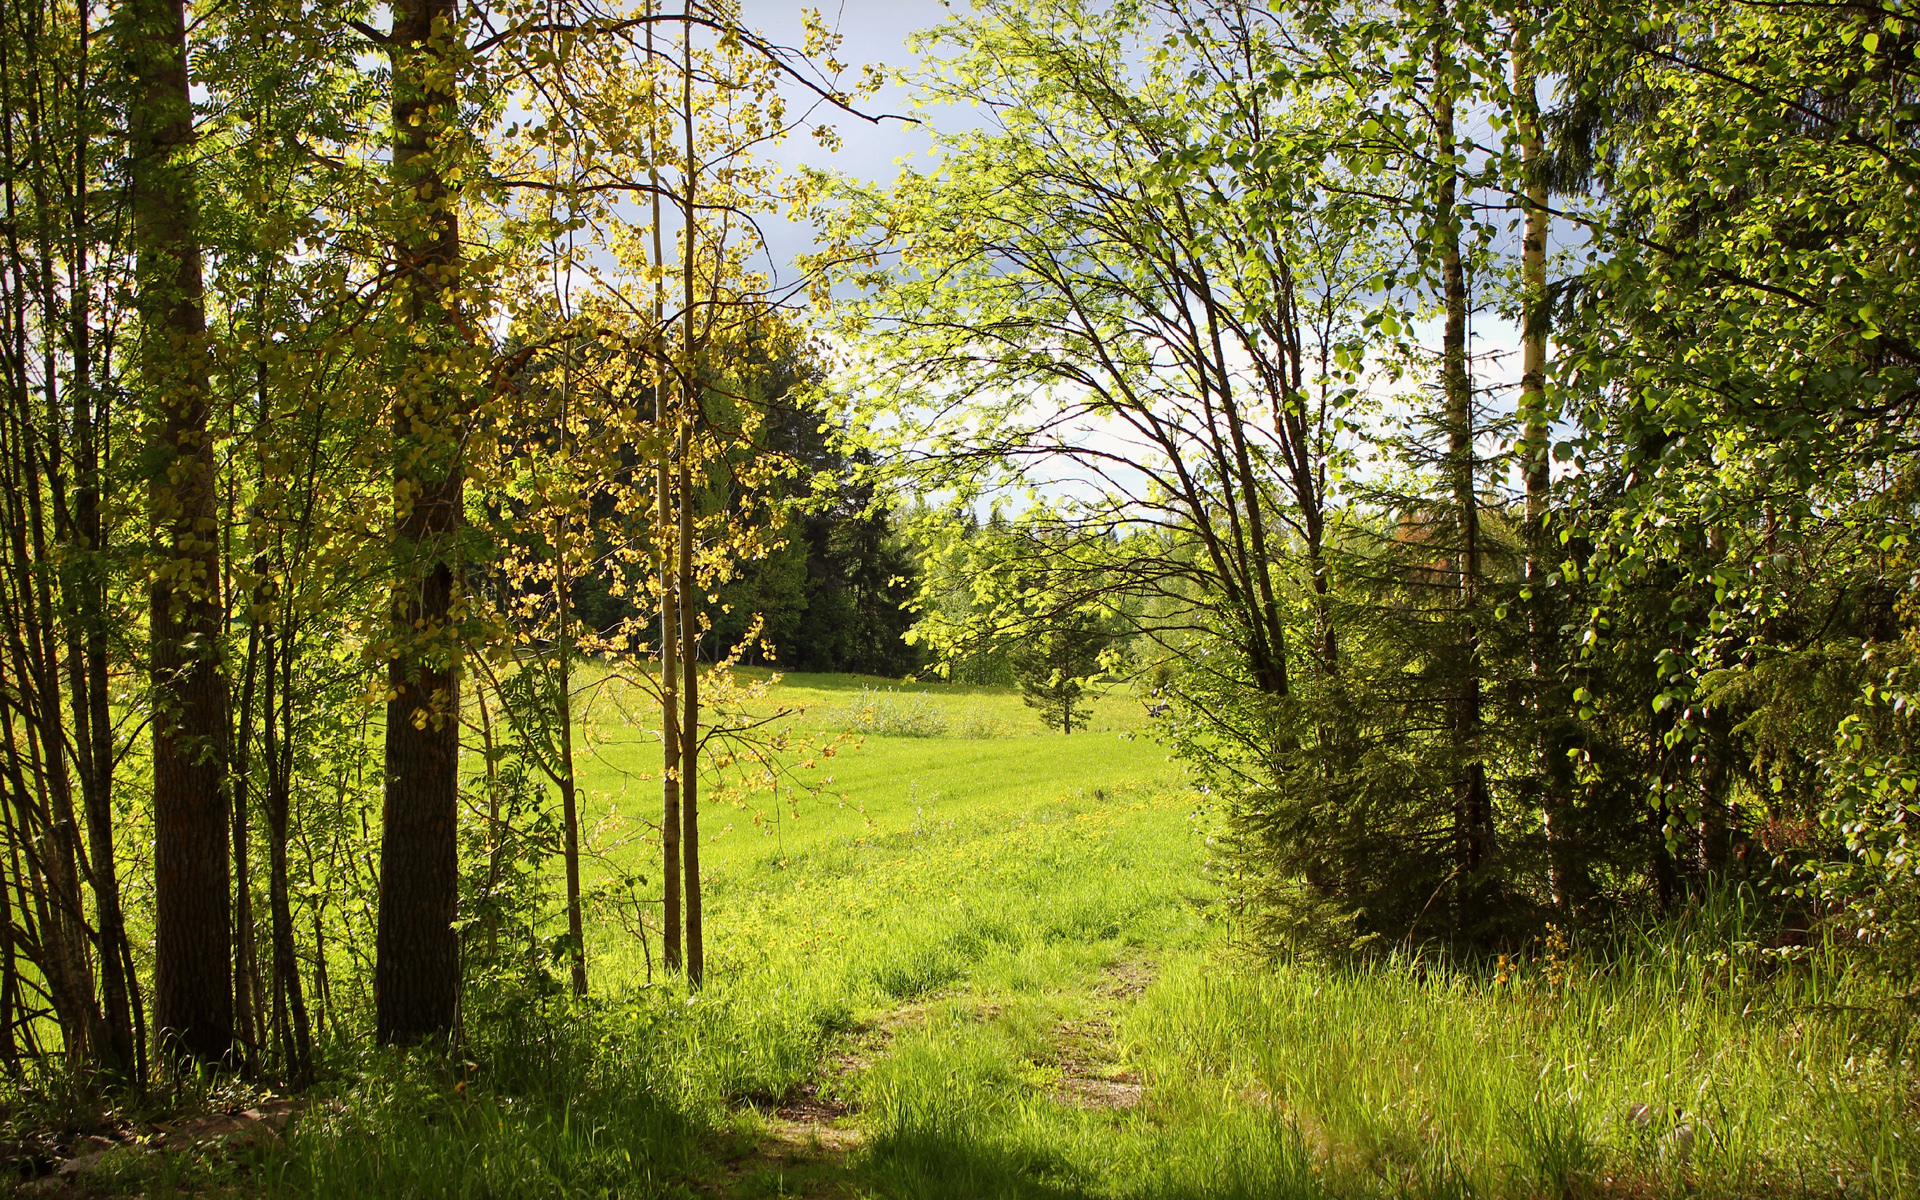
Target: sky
[874, 31]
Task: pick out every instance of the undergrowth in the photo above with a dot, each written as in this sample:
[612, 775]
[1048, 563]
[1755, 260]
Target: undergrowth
[1037, 1004]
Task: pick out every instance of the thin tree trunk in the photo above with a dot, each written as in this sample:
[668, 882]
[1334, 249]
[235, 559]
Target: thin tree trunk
[1473, 828]
[9, 987]
[1536, 468]
[417, 951]
[193, 987]
[296, 1040]
[669, 588]
[569, 808]
[93, 718]
[496, 842]
[247, 1032]
[689, 614]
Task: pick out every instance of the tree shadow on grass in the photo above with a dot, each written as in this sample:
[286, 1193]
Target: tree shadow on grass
[947, 1164]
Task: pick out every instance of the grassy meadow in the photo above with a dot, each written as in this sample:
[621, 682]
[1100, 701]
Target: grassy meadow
[987, 962]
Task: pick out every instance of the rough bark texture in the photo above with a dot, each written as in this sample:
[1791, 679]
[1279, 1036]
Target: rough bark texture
[193, 992]
[417, 951]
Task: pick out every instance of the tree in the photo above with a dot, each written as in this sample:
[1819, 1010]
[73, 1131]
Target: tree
[63, 614]
[1742, 349]
[1155, 315]
[1191, 246]
[193, 992]
[1055, 665]
[418, 967]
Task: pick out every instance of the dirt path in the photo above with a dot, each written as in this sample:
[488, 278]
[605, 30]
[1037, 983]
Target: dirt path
[810, 1144]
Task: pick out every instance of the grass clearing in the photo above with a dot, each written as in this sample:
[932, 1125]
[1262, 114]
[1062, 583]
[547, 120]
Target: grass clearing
[992, 970]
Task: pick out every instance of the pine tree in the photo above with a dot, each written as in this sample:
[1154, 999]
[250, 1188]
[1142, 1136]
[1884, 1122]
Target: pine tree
[1054, 666]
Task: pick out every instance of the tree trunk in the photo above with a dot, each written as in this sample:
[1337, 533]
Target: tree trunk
[1549, 704]
[193, 987]
[296, 1038]
[246, 1028]
[669, 593]
[689, 613]
[417, 951]
[85, 585]
[1472, 819]
[569, 806]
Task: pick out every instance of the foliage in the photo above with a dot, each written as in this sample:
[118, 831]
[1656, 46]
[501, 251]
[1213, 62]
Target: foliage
[1738, 349]
[1054, 666]
[1432, 705]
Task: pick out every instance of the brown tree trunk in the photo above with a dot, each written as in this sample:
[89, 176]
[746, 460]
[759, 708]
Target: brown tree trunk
[1472, 818]
[417, 951]
[689, 613]
[669, 592]
[193, 987]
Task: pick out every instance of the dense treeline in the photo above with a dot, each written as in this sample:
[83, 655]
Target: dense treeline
[367, 369]
[1482, 430]
[1493, 420]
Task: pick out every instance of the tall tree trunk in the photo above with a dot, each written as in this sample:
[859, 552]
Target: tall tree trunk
[1549, 704]
[193, 987]
[1473, 826]
[417, 951]
[689, 612]
[669, 587]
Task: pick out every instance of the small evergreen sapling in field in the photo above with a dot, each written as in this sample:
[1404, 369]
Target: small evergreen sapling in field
[1055, 666]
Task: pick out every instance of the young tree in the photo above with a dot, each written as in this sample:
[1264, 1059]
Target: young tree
[1054, 664]
[61, 608]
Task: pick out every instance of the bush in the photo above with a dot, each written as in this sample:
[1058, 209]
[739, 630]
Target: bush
[888, 713]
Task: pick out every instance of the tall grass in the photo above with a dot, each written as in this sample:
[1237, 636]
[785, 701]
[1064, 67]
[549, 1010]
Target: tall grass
[888, 712]
[986, 973]
[1022, 990]
[1684, 1061]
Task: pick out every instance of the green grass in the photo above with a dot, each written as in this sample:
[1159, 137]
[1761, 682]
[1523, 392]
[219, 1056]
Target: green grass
[992, 968]
[872, 783]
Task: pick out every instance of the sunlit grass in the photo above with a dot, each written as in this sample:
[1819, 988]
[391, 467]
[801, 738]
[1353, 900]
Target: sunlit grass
[1003, 956]
[871, 788]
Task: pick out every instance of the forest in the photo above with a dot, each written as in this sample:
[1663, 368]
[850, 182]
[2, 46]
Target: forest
[1312, 598]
